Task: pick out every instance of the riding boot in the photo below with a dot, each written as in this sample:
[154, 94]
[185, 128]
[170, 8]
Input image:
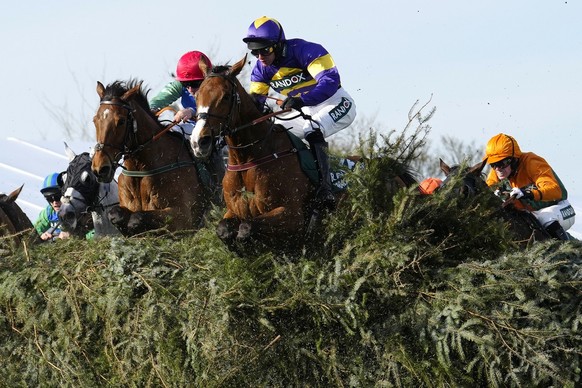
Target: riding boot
[556, 231]
[324, 195]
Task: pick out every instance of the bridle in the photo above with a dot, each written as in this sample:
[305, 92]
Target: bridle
[130, 135]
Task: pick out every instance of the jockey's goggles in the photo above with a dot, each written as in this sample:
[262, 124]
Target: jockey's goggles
[192, 84]
[503, 163]
[264, 51]
[53, 197]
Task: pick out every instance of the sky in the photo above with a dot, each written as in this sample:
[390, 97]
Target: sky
[511, 66]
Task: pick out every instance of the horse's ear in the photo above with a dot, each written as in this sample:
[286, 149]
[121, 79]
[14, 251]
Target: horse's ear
[204, 66]
[13, 195]
[476, 169]
[100, 89]
[237, 67]
[444, 167]
[69, 152]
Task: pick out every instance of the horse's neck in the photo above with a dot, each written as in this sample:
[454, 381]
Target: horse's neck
[256, 142]
[109, 194]
[6, 222]
[155, 150]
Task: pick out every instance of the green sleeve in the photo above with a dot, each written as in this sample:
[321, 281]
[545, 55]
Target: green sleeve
[170, 93]
[42, 224]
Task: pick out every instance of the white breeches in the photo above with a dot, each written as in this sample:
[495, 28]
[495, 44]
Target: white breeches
[562, 212]
[331, 116]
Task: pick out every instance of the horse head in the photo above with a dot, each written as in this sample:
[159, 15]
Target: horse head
[220, 102]
[471, 178]
[85, 200]
[116, 127]
[13, 220]
[80, 193]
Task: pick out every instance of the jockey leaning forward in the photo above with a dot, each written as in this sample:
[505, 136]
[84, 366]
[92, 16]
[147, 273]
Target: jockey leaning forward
[189, 77]
[306, 74]
[532, 182]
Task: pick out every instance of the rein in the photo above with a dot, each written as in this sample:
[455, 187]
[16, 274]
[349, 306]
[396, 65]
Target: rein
[260, 120]
[260, 161]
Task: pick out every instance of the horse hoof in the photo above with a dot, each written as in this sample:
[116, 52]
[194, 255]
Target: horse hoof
[136, 223]
[244, 231]
[116, 215]
[227, 230]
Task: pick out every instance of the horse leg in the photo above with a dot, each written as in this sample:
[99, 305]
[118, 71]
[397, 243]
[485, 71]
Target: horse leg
[119, 216]
[172, 218]
[227, 229]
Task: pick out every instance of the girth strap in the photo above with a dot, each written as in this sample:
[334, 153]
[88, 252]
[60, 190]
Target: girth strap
[159, 170]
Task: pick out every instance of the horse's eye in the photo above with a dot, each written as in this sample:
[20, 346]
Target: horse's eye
[121, 121]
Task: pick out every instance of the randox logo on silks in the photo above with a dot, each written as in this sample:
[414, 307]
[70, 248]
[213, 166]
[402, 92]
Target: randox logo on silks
[567, 212]
[340, 110]
[288, 82]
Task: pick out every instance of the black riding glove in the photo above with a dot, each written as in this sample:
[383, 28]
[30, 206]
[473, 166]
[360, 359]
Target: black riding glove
[293, 103]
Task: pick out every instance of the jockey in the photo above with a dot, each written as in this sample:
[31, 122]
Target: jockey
[529, 179]
[189, 76]
[47, 224]
[306, 73]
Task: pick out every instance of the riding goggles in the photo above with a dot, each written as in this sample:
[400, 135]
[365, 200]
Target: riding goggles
[53, 197]
[192, 84]
[264, 51]
[502, 163]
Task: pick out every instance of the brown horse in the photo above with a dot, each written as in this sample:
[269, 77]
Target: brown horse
[160, 185]
[269, 198]
[267, 195]
[15, 227]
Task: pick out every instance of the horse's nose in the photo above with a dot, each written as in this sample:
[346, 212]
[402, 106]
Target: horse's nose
[205, 145]
[67, 218]
[102, 173]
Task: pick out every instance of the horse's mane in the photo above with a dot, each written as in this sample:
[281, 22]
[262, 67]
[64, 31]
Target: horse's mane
[408, 176]
[405, 172]
[220, 69]
[118, 88]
